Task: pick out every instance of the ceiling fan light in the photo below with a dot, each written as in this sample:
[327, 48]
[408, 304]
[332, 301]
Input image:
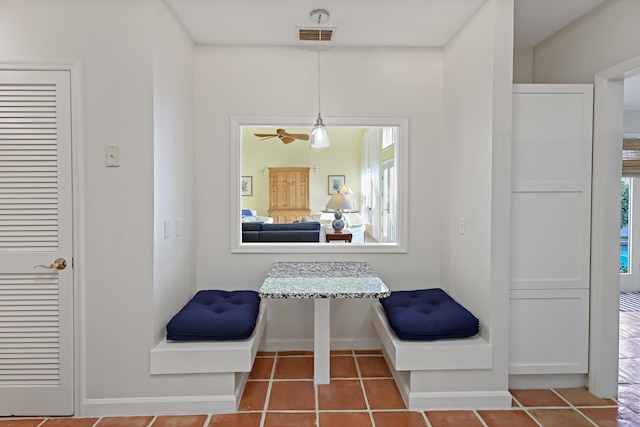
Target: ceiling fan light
[319, 135]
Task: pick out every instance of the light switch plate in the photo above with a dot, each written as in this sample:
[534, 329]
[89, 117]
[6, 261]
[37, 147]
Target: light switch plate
[462, 225]
[112, 156]
[167, 228]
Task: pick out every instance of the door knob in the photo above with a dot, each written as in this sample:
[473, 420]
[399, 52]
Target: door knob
[59, 264]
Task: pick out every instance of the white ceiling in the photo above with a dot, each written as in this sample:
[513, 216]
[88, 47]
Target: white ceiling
[356, 22]
[414, 23]
[363, 22]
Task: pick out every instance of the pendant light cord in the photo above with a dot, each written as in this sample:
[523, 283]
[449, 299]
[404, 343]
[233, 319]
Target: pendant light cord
[319, 47]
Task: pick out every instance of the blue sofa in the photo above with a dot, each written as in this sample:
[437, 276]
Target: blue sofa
[256, 232]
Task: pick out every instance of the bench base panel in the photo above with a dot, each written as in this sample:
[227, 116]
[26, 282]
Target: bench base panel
[445, 374]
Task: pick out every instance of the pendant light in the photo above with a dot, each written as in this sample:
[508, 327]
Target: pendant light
[319, 136]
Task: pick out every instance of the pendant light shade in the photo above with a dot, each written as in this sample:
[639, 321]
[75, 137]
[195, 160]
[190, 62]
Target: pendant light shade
[319, 135]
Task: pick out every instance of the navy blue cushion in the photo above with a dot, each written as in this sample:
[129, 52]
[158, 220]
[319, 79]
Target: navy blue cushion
[295, 232]
[216, 315]
[247, 212]
[290, 236]
[427, 315]
[315, 225]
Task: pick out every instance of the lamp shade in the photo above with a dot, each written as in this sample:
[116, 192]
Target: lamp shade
[345, 189]
[339, 201]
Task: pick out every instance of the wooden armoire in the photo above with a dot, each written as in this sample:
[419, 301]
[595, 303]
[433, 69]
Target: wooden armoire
[288, 194]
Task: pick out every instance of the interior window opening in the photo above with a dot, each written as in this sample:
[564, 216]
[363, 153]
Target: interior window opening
[362, 164]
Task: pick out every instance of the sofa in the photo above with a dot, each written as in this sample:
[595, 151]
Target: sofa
[259, 232]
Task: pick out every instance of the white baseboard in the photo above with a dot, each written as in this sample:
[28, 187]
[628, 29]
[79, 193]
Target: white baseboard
[158, 406]
[307, 344]
[459, 400]
[548, 381]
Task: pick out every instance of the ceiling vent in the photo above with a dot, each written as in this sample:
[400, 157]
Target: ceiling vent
[313, 34]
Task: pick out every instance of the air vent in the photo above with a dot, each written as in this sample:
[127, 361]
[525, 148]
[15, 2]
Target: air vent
[313, 34]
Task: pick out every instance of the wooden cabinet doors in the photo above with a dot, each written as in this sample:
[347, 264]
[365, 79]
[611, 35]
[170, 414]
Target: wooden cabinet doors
[288, 194]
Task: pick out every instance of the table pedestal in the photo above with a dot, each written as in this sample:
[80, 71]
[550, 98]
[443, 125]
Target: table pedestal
[321, 340]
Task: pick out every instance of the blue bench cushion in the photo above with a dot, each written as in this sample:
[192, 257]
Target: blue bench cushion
[427, 315]
[216, 315]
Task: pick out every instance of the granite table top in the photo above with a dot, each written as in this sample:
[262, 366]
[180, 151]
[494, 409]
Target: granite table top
[339, 279]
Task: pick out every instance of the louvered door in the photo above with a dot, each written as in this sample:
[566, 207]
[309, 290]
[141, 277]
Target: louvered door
[36, 309]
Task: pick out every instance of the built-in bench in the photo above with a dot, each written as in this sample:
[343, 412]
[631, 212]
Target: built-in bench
[440, 374]
[229, 362]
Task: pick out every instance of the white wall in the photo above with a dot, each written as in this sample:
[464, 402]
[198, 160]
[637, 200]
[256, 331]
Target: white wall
[523, 64]
[606, 36]
[174, 164]
[113, 41]
[125, 51]
[631, 122]
[476, 175]
[281, 81]
[118, 203]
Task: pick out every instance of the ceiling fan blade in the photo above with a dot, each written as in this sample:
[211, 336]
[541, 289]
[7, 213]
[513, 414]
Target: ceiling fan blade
[284, 136]
[300, 136]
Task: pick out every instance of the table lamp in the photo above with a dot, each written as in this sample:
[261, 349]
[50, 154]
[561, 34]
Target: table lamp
[338, 202]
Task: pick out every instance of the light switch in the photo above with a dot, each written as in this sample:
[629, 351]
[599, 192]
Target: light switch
[178, 227]
[462, 225]
[112, 156]
[167, 228]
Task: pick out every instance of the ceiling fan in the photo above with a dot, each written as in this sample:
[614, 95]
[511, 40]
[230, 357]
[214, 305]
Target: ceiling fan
[284, 136]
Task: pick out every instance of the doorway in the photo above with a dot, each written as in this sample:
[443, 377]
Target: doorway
[605, 243]
[630, 234]
[629, 323]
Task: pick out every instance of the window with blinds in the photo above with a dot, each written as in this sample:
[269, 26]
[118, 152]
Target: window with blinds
[631, 158]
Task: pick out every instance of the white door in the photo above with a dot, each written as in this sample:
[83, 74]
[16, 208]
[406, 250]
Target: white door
[36, 303]
[550, 228]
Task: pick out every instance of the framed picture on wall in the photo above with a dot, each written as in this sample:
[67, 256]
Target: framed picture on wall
[246, 186]
[335, 182]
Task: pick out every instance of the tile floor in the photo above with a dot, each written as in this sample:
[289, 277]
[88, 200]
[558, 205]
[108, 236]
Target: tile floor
[280, 392]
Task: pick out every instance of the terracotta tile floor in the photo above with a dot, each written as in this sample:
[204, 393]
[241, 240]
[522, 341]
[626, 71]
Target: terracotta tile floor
[280, 393]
